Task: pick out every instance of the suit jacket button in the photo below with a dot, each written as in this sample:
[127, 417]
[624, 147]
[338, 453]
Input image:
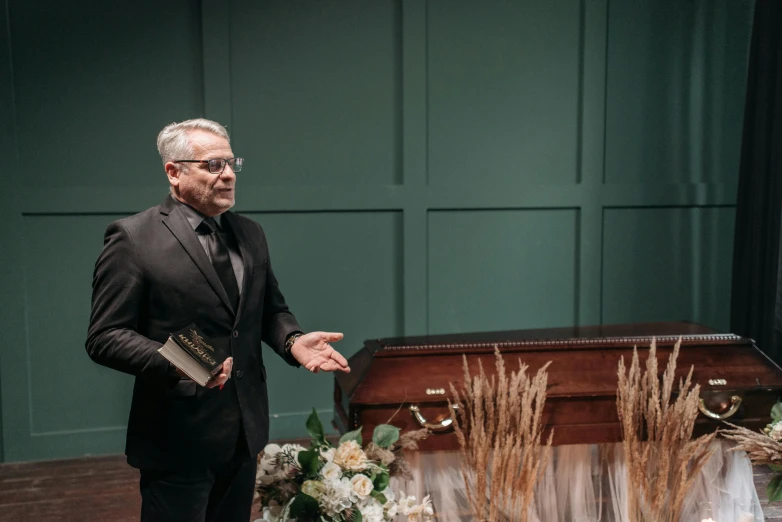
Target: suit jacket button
[239, 374]
[236, 334]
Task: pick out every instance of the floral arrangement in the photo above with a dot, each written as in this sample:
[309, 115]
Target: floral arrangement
[762, 447]
[345, 483]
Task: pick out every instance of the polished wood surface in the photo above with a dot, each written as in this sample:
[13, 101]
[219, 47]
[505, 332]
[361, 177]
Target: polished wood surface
[389, 375]
[88, 489]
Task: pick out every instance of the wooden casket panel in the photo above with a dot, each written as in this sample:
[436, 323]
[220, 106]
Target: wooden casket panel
[390, 375]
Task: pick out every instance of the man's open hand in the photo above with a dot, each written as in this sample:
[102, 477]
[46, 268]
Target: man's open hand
[314, 352]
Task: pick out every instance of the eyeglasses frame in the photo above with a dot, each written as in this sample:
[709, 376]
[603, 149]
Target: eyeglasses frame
[224, 160]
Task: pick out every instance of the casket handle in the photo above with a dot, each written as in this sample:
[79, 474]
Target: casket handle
[443, 425]
[735, 402]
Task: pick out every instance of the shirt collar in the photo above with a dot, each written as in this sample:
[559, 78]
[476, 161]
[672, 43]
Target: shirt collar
[193, 216]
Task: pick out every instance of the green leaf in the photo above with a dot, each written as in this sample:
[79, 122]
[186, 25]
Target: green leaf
[776, 411]
[315, 428]
[304, 506]
[352, 435]
[385, 435]
[775, 489]
[356, 515]
[309, 461]
[379, 497]
[775, 467]
[381, 481]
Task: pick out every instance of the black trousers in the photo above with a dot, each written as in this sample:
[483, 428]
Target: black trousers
[221, 493]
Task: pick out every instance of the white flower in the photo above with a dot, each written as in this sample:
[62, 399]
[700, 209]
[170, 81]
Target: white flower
[331, 471]
[293, 450]
[336, 497]
[390, 508]
[328, 454]
[283, 462]
[419, 512]
[371, 510]
[269, 459]
[389, 494]
[361, 485]
[313, 488]
[265, 480]
[350, 456]
[776, 431]
[405, 503]
[271, 512]
[271, 450]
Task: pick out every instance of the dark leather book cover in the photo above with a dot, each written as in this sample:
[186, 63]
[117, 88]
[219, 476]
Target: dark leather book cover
[205, 351]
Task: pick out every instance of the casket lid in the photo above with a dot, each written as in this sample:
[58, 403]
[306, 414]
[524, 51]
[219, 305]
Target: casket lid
[584, 360]
[575, 337]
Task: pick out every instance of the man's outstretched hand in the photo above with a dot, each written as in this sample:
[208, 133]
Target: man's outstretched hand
[314, 352]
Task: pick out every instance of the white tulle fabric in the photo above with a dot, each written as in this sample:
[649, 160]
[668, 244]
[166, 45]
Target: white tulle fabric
[588, 483]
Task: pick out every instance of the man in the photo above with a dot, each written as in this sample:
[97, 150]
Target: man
[190, 260]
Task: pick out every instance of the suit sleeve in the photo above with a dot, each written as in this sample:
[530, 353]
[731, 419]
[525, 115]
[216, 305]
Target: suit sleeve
[118, 290]
[278, 321]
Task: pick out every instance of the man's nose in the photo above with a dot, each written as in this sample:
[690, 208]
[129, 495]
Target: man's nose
[228, 172]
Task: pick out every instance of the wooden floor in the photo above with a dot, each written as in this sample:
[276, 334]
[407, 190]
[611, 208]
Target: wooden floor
[102, 489]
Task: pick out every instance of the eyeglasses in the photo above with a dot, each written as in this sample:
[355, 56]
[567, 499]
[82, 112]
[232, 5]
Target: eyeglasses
[217, 165]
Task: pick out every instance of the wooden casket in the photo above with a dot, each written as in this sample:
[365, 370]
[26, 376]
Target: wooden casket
[405, 381]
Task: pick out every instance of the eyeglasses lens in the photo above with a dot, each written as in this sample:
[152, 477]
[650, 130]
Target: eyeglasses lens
[216, 166]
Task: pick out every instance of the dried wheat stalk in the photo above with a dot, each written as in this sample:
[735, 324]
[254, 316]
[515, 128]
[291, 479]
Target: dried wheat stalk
[499, 426]
[761, 449]
[662, 467]
[399, 467]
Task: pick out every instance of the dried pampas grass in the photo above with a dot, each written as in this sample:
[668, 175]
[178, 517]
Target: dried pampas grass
[662, 460]
[499, 426]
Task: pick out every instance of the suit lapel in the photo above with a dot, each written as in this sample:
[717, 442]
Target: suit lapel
[243, 242]
[177, 223]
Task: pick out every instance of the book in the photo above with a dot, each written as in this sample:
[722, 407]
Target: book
[192, 352]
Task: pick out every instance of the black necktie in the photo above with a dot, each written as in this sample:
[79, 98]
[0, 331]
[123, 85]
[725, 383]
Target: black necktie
[218, 252]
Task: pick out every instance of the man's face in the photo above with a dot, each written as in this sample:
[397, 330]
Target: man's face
[210, 194]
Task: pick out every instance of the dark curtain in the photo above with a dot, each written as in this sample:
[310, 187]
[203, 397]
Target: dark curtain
[756, 302]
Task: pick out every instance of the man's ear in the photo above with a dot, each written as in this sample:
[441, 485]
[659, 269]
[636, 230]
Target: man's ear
[173, 172]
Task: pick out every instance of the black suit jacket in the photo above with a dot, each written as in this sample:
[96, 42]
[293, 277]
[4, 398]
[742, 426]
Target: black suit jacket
[153, 278]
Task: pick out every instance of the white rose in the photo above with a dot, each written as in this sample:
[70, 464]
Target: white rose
[361, 485]
[331, 471]
[350, 456]
[313, 488]
[776, 432]
[328, 455]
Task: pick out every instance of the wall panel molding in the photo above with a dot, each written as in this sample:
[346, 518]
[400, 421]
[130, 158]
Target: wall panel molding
[13, 379]
[377, 148]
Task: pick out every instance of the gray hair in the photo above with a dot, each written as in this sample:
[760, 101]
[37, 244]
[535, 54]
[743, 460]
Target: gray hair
[173, 143]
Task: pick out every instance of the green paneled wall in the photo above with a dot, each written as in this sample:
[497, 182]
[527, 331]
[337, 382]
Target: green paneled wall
[482, 276]
[418, 166]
